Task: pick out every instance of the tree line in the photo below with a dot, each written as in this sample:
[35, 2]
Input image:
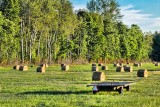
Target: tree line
[51, 31]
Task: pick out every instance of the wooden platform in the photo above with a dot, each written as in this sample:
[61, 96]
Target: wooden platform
[110, 86]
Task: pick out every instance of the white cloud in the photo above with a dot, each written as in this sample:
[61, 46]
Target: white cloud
[146, 21]
[156, 22]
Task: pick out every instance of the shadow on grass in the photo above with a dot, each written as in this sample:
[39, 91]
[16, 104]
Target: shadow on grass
[53, 92]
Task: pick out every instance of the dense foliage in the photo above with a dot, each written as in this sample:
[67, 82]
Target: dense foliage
[50, 31]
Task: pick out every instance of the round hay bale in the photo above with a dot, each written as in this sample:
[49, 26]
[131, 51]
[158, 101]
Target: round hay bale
[94, 68]
[100, 64]
[156, 64]
[65, 67]
[142, 73]
[104, 67]
[116, 64]
[140, 64]
[98, 76]
[23, 68]
[128, 69]
[125, 65]
[16, 67]
[120, 64]
[136, 64]
[44, 65]
[94, 64]
[120, 69]
[41, 69]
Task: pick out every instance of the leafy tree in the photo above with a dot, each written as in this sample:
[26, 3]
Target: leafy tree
[10, 29]
[124, 40]
[105, 7]
[67, 24]
[147, 46]
[49, 30]
[80, 36]
[95, 36]
[136, 39]
[156, 50]
[110, 13]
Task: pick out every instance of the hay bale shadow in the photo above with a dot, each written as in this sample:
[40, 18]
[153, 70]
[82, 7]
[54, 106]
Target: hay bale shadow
[53, 92]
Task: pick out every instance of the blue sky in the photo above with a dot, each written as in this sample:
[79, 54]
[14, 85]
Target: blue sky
[145, 13]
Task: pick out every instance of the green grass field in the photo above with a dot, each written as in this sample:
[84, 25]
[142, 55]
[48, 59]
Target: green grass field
[57, 88]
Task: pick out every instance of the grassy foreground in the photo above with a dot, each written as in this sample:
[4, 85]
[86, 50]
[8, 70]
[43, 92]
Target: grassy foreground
[56, 88]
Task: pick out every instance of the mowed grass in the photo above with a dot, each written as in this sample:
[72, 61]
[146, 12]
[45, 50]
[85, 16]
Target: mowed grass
[57, 88]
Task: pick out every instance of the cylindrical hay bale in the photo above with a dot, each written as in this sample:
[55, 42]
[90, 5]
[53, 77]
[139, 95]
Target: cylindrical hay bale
[65, 68]
[98, 76]
[120, 69]
[16, 67]
[41, 69]
[125, 67]
[116, 65]
[100, 64]
[63, 65]
[128, 63]
[142, 73]
[93, 64]
[121, 64]
[44, 65]
[104, 67]
[140, 64]
[94, 68]
[156, 64]
[128, 69]
[136, 64]
[23, 68]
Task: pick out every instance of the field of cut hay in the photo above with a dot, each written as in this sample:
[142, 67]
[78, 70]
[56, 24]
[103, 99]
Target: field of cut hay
[57, 88]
